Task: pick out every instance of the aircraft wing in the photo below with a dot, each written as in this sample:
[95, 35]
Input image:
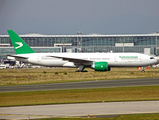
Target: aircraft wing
[70, 59]
[16, 56]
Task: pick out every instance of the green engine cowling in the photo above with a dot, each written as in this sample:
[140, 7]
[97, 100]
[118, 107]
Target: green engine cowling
[101, 66]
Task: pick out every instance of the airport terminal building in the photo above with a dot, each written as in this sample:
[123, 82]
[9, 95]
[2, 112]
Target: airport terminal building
[140, 43]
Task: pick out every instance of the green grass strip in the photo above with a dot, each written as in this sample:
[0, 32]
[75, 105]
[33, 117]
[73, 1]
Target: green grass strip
[79, 96]
[50, 75]
[120, 117]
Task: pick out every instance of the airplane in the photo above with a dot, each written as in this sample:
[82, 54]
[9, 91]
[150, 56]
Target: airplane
[96, 61]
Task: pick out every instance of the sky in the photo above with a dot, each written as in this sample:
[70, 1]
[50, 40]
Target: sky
[66, 17]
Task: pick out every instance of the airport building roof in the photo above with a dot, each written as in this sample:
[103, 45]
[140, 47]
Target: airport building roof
[89, 35]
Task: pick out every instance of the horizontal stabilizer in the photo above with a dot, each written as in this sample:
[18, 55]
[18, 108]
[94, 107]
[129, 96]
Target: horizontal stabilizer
[16, 56]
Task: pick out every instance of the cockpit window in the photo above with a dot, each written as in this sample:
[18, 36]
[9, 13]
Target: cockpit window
[152, 58]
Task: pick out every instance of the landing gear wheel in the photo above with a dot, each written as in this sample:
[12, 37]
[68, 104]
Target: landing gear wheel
[80, 68]
[81, 71]
[77, 71]
[84, 71]
[143, 69]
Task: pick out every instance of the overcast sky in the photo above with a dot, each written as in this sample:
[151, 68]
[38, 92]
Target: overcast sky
[88, 16]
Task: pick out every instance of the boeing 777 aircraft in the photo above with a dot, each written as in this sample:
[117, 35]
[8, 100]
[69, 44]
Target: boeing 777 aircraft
[96, 61]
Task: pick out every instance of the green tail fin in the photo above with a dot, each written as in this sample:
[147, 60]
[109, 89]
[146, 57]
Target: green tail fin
[19, 45]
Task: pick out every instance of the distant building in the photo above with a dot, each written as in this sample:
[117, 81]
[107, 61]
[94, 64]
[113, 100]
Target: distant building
[141, 43]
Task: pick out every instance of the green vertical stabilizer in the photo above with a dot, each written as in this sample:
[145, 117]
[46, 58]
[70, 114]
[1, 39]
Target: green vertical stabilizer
[19, 45]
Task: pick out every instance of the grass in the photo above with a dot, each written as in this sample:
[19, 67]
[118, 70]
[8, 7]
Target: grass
[121, 117]
[79, 96]
[56, 75]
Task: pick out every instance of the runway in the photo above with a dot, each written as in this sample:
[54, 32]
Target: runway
[82, 109]
[79, 110]
[82, 85]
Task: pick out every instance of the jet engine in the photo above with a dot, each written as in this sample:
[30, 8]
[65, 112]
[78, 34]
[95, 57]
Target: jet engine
[101, 66]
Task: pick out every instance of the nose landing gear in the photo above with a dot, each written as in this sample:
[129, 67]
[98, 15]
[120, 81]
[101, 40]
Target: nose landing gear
[143, 68]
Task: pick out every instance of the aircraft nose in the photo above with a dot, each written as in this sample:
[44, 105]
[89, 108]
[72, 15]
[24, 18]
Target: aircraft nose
[156, 61]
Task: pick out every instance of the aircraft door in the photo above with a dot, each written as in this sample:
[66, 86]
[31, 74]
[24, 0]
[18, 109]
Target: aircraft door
[115, 59]
[140, 58]
[38, 58]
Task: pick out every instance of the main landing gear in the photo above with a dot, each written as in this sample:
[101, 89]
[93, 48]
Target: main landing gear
[81, 69]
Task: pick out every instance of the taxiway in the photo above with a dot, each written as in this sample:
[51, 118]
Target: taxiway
[82, 85]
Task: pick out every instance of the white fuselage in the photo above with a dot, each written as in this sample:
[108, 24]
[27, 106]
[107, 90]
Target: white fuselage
[113, 59]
